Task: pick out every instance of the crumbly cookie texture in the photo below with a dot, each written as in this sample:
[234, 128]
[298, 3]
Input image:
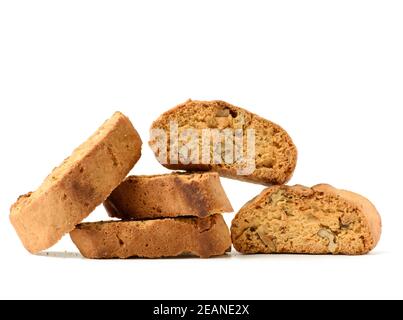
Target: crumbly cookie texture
[169, 195]
[81, 183]
[318, 220]
[276, 154]
[201, 237]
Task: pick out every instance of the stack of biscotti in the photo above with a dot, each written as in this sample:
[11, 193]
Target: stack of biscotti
[179, 214]
[168, 215]
[160, 216]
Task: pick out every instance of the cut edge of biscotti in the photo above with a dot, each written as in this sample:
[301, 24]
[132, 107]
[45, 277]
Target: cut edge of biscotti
[275, 153]
[75, 188]
[177, 194]
[301, 220]
[159, 238]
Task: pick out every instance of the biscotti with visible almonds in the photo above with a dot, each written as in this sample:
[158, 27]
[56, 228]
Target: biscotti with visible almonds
[168, 195]
[318, 220]
[273, 161]
[81, 183]
[200, 237]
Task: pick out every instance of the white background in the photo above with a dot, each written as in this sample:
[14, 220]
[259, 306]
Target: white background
[330, 72]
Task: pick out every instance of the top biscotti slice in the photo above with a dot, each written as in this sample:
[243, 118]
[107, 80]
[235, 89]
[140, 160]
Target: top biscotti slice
[217, 136]
[168, 196]
[81, 183]
[318, 220]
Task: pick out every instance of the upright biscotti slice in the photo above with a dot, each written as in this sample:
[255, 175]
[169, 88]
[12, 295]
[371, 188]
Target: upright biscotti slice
[82, 182]
[272, 162]
[169, 195]
[318, 220]
[204, 238]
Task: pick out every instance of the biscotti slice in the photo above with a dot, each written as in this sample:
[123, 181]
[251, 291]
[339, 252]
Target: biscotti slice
[318, 220]
[82, 182]
[217, 136]
[169, 195]
[204, 238]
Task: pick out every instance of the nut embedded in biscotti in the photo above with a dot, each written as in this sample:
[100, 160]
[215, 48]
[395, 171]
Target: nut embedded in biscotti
[222, 113]
[268, 240]
[327, 234]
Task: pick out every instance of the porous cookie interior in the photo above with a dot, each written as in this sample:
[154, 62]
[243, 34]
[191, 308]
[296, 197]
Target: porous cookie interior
[275, 153]
[291, 222]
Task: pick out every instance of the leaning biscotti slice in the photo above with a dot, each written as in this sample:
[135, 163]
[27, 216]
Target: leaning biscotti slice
[169, 195]
[225, 136]
[82, 182]
[318, 220]
[204, 238]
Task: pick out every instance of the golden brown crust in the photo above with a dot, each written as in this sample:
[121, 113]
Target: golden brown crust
[170, 195]
[82, 182]
[204, 238]
[276, 154]
[317, 220]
